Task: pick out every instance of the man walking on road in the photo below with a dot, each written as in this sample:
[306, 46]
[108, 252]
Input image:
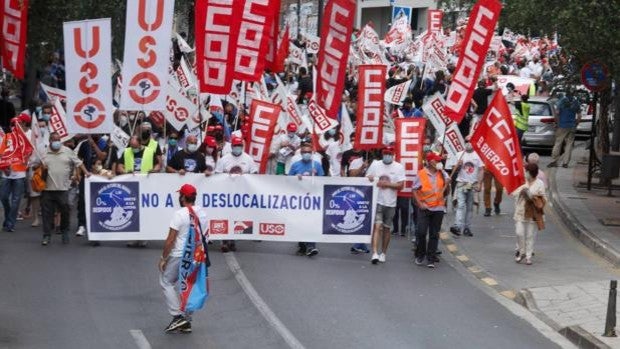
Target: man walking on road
[429, 187]
[172, 253]
[391, 178]
[467, 182]
[567, 119]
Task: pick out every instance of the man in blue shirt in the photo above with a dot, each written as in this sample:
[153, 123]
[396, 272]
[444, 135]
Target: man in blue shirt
[567, 118]
[306, 167]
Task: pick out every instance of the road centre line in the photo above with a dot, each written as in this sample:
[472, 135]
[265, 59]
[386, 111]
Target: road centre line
[140, 339]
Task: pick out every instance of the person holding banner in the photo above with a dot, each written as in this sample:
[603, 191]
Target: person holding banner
[306, 167]
[138, 159]
[429, 187]
[188, 160]
[284, 147]
[390, 177]
[170, 261]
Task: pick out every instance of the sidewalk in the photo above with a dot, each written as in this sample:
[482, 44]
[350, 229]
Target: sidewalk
[567, 286]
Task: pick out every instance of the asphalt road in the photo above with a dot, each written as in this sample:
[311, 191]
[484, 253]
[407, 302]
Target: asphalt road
[77, 296]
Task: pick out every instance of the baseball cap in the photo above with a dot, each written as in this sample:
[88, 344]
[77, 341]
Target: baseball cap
[291, 127]
[210, 141]
[236, 141]
[432, 156]
[187, 190]
[388, 150]
[23, 117]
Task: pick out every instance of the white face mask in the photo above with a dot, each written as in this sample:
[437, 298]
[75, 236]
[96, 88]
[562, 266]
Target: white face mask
[192, 147]
[439, 166]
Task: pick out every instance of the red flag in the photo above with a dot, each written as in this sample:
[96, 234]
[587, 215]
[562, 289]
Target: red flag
[370, 107]
[253, 38]
[478, 35]
[434, 20]
[14, 24]
[336, 32]
[15, 148]
[409, 147]
[263, 120]
[217, 28]
[278, 65]
[496, 142]
[272, 46]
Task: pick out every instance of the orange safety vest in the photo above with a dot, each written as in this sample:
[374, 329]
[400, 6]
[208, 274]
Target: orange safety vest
[431, 195]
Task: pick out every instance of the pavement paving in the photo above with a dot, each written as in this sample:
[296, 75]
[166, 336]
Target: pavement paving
[568, 285]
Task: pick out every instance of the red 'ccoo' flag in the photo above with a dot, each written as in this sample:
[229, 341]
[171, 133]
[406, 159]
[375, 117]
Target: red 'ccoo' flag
[14, 25]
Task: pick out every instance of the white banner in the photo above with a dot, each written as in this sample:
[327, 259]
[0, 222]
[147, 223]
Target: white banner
[312, 46]
[58, 121]
[88, 64]
[179, 109]
[54, 93]
[453, 142]
[120, 139]
[239, 207]
[396, 94]
[147, 48]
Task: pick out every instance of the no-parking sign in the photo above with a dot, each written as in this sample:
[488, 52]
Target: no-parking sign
[595, 76]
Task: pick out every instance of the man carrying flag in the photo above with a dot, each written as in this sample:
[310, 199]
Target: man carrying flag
[183, 262]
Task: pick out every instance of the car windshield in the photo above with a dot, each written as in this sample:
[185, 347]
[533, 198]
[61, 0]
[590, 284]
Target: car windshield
[536, 108]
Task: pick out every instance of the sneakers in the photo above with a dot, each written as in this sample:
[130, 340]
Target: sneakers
[467, 232]
[430, 264]
[487, 212]
[455, 231]
[81, 230]
[176, 323]
[553, 164]
[358, 250]
[187, 328]
[35, 223]
[312, 252]
[300, 251]
[419, 260]
[528, 261]
[382, 258]
[374, 259]
[496, 208]
[45, 241]
[519, 257]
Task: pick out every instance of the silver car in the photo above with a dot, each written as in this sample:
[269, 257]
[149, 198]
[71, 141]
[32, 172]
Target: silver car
[541, 123]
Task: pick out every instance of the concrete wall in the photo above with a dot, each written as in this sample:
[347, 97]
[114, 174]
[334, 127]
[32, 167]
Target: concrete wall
[380, 13]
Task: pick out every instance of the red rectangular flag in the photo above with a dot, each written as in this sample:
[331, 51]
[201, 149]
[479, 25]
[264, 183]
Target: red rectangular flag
[281, 53]
[336, 31]
[263, 120]
[478, 35]
[253, 38]
[14, 24]
[496, 142]
[272, 46]
[409, 149]
[217, 26]
[370, 107]
[434, 21]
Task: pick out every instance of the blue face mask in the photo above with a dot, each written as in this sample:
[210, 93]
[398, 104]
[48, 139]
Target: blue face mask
[387, 159]
[135, 150]
[45, 117]
[172, 142]
[331, 132]
[236, 151]
[306, 157]
[55, 145]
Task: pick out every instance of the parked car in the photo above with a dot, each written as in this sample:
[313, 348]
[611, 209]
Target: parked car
[541, 123]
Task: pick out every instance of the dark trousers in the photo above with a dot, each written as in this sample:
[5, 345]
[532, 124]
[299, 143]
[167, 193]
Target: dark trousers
[52, 201]
[429, 222]
[11, 193]
[402, 215]
[81, 205]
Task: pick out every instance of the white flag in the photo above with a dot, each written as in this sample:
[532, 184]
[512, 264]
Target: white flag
[396, 94]
[178, 108]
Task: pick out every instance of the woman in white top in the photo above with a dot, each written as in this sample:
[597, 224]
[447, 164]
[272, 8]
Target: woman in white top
[531, 198]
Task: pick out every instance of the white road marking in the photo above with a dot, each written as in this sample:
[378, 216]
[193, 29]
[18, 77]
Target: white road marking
[140, 339]
[260, 304]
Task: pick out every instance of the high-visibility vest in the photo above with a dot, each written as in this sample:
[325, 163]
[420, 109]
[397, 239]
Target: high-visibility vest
[152, 145]
[147, 160]
[521, 119]
[431, 195]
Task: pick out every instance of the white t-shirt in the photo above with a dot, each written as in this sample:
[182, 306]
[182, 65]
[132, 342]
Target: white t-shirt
[394, 172]
[471, 167]
[525, 72]
[335, 156]
[180, 222]
[284, 147]
[236, 164]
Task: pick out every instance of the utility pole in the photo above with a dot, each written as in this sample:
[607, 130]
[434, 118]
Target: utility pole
[298, 17]
[319, 18]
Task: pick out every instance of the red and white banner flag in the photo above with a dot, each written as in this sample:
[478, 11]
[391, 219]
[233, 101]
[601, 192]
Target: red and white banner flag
[322, 123]
[217, 27]
[313, 43]
[14, 24]
[396, 94]
[15, 148]
[184, 76]
[496, 142]
[148, 29]
[179, 109]
[288, 104]
[281, 53]
[58, 121]
[434, 21]
[296, 55]
[263, 120]
[478, 35]
[409, 149]
[253, 38]
[334, 54]
[54, 93]
[272, 42]
[88, 59]
[453, 141]
[369, 128]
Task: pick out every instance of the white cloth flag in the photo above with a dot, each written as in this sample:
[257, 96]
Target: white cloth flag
[53, 93]
[120, 139]
[147, 49]
[178, 108]
[346, 127]
[396, 94]
[88, 58]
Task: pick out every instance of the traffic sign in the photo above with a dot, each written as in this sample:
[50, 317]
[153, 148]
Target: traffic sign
[595, 76]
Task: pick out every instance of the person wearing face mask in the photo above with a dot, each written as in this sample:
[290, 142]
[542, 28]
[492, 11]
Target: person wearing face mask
[211, 154]
[146, 139]
[137, 159]
[306, 167]
[390, 176]
[236, 162]
[429, 187]
[333, 150]
[469, 177]
[284, 147]
[41, 148]
[188, 160]
[172, 148]
[531, 198]
[61, 166]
